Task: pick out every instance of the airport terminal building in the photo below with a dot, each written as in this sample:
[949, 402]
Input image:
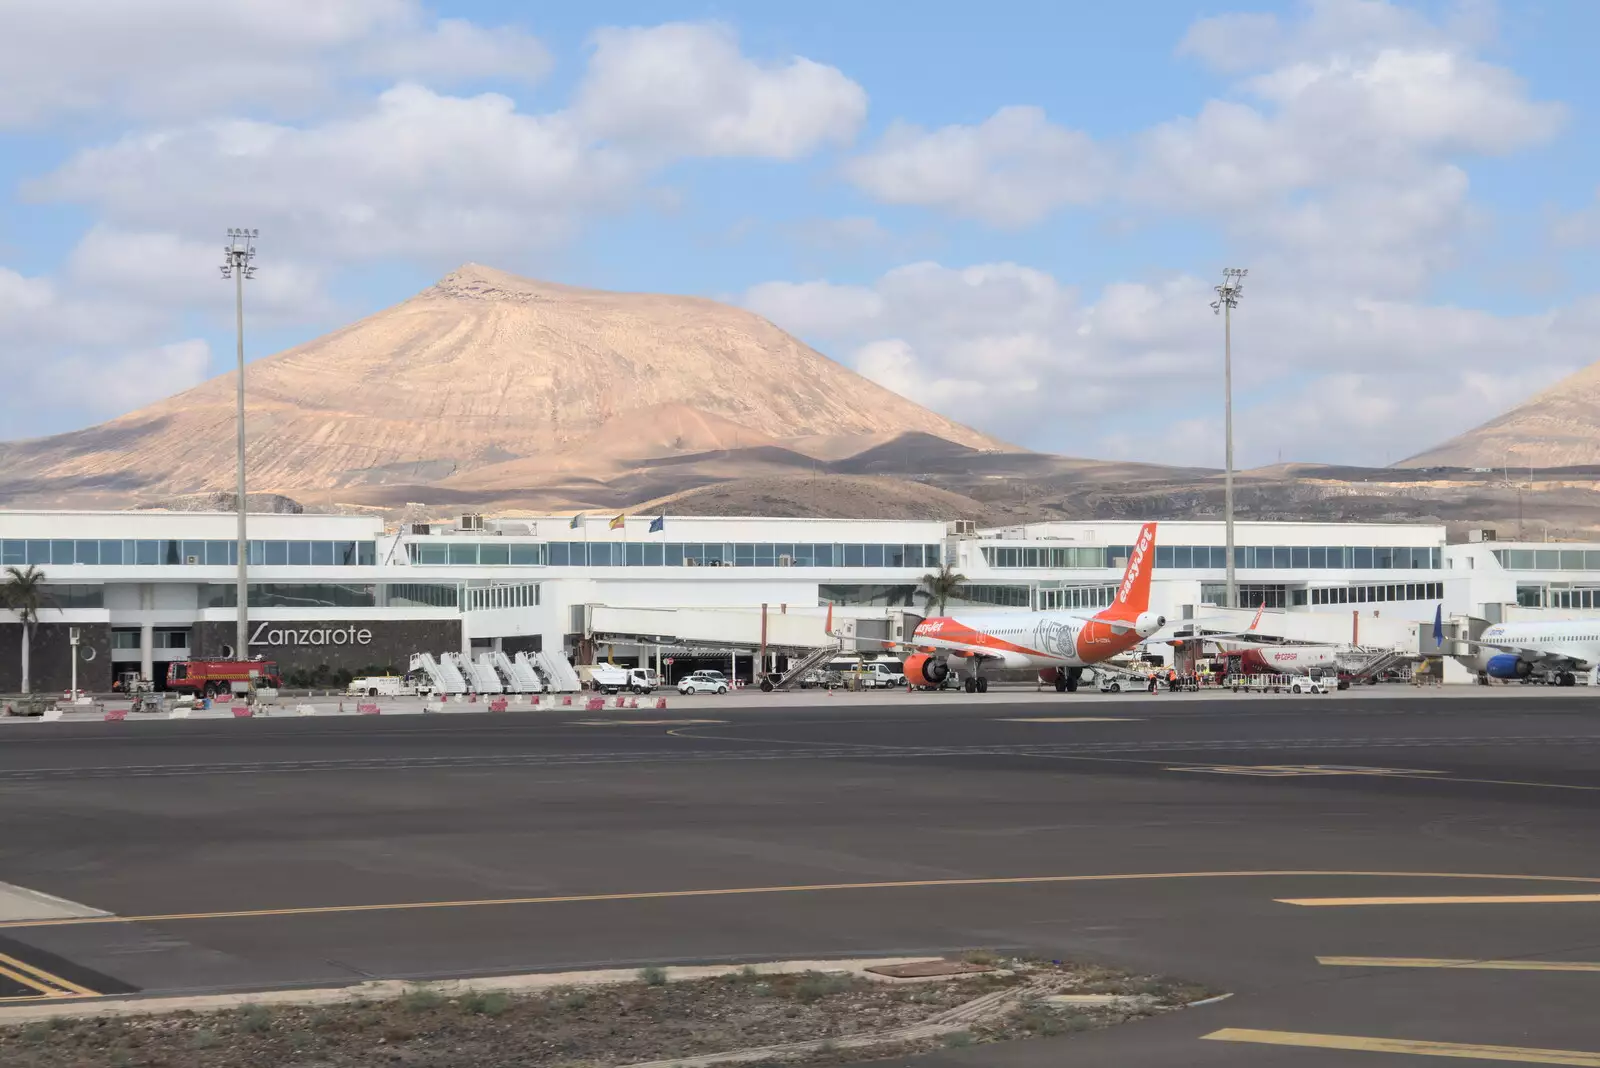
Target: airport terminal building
[332, 592]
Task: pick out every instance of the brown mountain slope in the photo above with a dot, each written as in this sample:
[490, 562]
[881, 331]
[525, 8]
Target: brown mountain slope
[1559, 427]
[486, 372]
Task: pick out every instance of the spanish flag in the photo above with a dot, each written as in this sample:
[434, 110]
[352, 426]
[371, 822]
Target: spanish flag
[617, 523]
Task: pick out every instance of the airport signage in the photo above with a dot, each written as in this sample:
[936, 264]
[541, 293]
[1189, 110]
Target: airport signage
[269, 635]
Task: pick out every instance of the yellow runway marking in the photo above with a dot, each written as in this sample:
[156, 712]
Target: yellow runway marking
[811, 888]
[35, 978]
[1445, 962]
[1069, 719]
[1474, 899]
[1414, 1047]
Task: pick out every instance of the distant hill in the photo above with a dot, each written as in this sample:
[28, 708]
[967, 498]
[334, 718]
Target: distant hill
[1557, 428]
[486, 385]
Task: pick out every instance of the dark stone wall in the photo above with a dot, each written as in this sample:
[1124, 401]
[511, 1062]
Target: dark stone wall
[522, 643]
[51, 662]
[393, 642]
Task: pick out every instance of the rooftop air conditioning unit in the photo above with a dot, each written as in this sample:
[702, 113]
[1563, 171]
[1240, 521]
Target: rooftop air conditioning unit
[785, 561]
[965, 528]
[421, 528]
[470, 522]
[1484, 534]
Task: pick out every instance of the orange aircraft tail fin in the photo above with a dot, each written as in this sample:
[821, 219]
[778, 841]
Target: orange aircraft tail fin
[1133, 595]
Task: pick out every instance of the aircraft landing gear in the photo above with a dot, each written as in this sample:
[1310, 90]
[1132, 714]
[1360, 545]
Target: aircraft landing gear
[976, 684]
[1073, 676]
[1566, 678]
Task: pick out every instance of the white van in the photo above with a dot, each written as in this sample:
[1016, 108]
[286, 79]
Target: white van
[380, 686]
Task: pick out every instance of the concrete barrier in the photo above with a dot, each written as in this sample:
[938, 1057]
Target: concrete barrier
[595, 704]
[499, 704]
[179, 713]
[243, 712]
[51, 715]
[305, 710]
[661, 702]
[116, 715]
[368, 709]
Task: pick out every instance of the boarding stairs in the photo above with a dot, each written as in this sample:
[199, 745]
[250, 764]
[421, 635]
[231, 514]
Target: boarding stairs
[812, 661]
[480, 677]
[557, 672]
[442, 674]
[1369, 663]
[492, 662]
[518, 674]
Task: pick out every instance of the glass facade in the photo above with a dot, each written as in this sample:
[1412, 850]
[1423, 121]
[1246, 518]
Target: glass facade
[516, 595]
[296, 595]
[675, 554]
[174, 553]
[1051, 600]
[1276, 557]
[74, 596]
[421, 595]
[1251, 594]
[1399, 591]
[1548, 559]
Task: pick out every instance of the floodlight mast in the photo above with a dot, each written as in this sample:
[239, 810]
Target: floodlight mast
[1228, 294]
[238, 264]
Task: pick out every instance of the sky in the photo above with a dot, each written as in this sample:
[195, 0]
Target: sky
[1013, 213]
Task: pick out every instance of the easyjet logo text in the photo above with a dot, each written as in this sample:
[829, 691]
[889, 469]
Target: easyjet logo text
[1135, 565]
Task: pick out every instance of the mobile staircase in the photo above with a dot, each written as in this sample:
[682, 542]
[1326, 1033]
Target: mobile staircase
[518, 674]
[441, 673]
[556, 671]
[813, 660]
[480, 676]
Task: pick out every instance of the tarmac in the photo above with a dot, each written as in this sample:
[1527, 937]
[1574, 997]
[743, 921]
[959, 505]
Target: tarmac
[1382, 876]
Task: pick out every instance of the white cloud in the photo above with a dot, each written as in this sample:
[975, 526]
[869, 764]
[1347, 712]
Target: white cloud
[76, 355]
[684, 89]
[1012, 169]
[165, 271]
[168, 59]
[456, 50]
[415, 174]
[1136, 373]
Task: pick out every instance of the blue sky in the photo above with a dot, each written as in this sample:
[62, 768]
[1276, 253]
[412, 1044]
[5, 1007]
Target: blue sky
[1011, 212]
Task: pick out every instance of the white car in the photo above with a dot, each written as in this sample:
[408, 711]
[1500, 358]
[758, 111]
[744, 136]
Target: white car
[702, 684]
[1310, 684]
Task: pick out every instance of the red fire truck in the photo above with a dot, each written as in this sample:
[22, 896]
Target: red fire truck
[212, 678]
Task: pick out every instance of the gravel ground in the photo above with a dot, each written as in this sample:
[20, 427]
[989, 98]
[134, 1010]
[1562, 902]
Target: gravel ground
[585, 1027]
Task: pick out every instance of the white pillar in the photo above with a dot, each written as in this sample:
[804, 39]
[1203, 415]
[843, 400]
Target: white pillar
[733, 670]
[147, 644]
[498, 647]
[466, 636]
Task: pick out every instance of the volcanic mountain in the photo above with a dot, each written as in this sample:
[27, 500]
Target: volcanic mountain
[1559, 427]
[490, 386]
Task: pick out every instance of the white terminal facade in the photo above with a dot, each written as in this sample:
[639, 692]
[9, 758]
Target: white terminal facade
[335, 592]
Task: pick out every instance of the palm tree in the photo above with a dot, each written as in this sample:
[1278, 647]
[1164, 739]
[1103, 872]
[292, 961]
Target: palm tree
[23, 593]
[939, 586]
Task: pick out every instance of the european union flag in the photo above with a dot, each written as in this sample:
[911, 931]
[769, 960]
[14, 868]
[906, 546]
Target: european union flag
[658, 523]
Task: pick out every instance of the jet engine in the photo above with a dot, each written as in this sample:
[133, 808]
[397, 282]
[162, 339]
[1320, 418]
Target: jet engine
[1508, 666]
[924, 669]
[1148, 623]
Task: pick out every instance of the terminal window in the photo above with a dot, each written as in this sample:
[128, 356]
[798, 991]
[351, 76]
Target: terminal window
[1399, 591]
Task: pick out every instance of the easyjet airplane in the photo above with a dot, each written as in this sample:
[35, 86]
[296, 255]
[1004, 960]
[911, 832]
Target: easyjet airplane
[1062, 641]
